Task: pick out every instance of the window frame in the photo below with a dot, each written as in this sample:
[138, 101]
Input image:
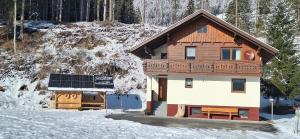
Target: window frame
[195, 107]
[186, 50]
[247, 110]
[188, 86]
[238, 91]
[163, 54]
[231, 53]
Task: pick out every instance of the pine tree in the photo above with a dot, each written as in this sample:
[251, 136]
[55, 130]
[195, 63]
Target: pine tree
[190, 8]
[284, 71]
[244, 14]
[126, 13]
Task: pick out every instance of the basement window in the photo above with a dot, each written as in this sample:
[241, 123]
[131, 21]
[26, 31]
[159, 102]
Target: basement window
[202, 29]
[196, 110]
[243, 113]
[189, 83]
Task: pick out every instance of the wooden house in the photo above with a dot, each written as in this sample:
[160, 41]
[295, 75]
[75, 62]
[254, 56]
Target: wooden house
[204, 67]
[80, 91]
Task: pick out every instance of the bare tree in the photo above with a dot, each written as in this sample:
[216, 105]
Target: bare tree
[104, 10]
[143, 12]
[81, 10]
[236, 13]
[87, 17]
[15, 25]
[60, 10]
[22, 19]
[30, 10]
[111, 3]
[98, 10]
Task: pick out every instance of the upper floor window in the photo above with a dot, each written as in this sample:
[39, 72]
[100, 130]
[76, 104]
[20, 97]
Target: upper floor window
[231, 54]
[190, 52]
[164, 55]
[202, 29]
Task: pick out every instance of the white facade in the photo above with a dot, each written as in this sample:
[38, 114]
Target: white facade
[207, 90]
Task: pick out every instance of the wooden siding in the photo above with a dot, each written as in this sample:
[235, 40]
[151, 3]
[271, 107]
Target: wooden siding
[208, 52]
[79, 100]
[68, 100]
[189, 33]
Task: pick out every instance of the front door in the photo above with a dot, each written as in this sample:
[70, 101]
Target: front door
[162, 92]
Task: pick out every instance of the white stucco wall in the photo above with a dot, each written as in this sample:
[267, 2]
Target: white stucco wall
[210, 90]
[152, 84]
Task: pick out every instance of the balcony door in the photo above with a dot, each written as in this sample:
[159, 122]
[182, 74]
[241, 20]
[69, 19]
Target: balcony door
[162, 92]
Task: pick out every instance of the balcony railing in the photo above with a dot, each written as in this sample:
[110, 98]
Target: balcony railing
[195, 66]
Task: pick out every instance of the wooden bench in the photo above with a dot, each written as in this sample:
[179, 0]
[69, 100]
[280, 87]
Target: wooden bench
[220, 111]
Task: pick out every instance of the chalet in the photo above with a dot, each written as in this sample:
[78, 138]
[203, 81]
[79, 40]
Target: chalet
[204, 67]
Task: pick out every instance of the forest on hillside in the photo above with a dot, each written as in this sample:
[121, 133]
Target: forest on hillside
[276, 21]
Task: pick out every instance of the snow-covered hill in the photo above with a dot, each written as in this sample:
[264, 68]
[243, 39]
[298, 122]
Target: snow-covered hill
[79, 48]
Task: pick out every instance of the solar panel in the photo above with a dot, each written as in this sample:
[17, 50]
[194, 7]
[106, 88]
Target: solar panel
[81, 81]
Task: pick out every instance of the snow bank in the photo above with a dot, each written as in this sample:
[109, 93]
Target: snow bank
[20, 94]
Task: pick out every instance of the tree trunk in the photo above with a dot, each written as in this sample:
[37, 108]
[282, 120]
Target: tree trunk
[69, 15]
[111, 10]
[30, 12]
[53, 10]
[75, 14]
[81, 10]
[104, 10]
[87, 17]
[15, 25]
[143, 12]
[236, 13]
[60, 10]
[22, 19]
[98, 10]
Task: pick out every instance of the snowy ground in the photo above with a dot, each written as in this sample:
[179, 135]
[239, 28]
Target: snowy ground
[93, 124]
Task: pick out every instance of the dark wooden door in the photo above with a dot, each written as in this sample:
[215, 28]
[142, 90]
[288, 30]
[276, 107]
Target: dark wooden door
[162, 92]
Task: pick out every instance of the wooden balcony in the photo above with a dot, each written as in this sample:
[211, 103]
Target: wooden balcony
[162, 66]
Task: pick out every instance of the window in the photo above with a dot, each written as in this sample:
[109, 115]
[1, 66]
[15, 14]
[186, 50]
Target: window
[243, 113]
[189, 83]
[238, 85]
[190, 52]
[196, 110]
[164, 56]
[236, 54]
[202, 29]
[231, 54]
[225, 54]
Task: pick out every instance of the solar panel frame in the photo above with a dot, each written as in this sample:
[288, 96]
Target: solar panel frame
[80, 81]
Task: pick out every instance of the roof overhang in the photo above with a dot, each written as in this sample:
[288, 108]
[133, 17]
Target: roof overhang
[202, 13]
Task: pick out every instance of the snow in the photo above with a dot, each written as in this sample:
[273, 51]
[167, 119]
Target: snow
[73, 49]
[38, 24]
[63, 124]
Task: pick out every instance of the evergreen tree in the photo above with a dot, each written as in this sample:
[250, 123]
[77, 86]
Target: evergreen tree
[190, 8]
[125, 12]
[263, 11]
[284, 71]
[244, 14]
